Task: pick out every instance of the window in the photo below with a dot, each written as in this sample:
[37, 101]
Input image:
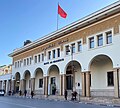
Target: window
[30, 60]
[27, 61]
[109, 37]
[110, 78]
[79, 46]
[24, 62]
[91, 40]
[100, 39]
[58, 52]
[67, 50]
[53, 53]
[42, 57]
[18, 63]
[49, 55]
[35, 59]
[39, 58]
[40, 83]
[73, 48]
[15, 64]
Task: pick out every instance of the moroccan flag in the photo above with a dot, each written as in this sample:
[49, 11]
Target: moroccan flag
[61, 12]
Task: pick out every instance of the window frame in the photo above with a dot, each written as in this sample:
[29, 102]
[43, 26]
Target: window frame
[54, 53]
[100, 40]
[67, 50]
[108, 36]
[58, 52]
[91, 40]
[35, 59]
[73, 48]
[79, 45]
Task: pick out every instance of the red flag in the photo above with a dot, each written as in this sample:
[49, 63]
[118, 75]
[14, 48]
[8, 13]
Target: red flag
[61, 12]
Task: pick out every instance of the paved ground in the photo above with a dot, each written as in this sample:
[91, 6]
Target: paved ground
[16, 102]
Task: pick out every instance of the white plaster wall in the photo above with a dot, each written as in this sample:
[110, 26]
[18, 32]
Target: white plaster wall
[78, 79]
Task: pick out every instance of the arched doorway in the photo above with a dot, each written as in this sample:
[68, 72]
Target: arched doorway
[27, 81]
[73, 76]
[39, 83]
[102, 76]
[54, 80]
[17, 82]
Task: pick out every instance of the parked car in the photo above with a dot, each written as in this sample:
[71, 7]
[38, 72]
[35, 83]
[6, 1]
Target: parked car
[2, 92]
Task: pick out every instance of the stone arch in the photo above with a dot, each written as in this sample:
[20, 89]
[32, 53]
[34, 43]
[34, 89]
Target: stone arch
[101, 66]
[54, 79]
[73, 62]
[99, 56]
[39, 81]
[38, 70]
[73, 75]
[17, 76]
[27, 80]
[17, 82]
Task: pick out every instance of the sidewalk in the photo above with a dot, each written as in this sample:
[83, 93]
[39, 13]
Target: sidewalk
[102, 101]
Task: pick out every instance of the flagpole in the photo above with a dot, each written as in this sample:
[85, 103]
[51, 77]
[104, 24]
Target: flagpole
[57, 16]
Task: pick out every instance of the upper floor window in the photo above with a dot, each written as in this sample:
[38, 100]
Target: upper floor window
[30, 60]
[35, 59]
[42, 57]
[109, 37]
[91, 42]
[79, 46]
[53, 53]
[67, 50]
[100, 39]
[73, 48]
[39, 58]
[24, 62]
[15, 64]
[49, 55]
[27, 61]
[58, 52]
[18, 64]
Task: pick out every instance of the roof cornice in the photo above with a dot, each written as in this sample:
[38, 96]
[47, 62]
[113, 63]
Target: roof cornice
[92, 18]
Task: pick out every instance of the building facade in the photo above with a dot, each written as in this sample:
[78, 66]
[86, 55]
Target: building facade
[5, 78]
[83, 56]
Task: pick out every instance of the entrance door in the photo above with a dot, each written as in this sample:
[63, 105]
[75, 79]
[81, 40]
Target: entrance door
[53, 85]
[69, 82]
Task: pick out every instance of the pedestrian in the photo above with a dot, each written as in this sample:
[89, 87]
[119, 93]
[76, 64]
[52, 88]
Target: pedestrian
[13, 92]
[25, 92]
[32, 94]
[20, 92]
[66, 94]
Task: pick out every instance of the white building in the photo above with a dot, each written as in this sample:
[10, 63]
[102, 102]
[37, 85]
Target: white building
[85, 52]
[5, 78]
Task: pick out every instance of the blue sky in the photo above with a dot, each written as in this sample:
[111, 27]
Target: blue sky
[21, 20]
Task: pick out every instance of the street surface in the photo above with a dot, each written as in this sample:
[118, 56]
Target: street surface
[19, 102]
